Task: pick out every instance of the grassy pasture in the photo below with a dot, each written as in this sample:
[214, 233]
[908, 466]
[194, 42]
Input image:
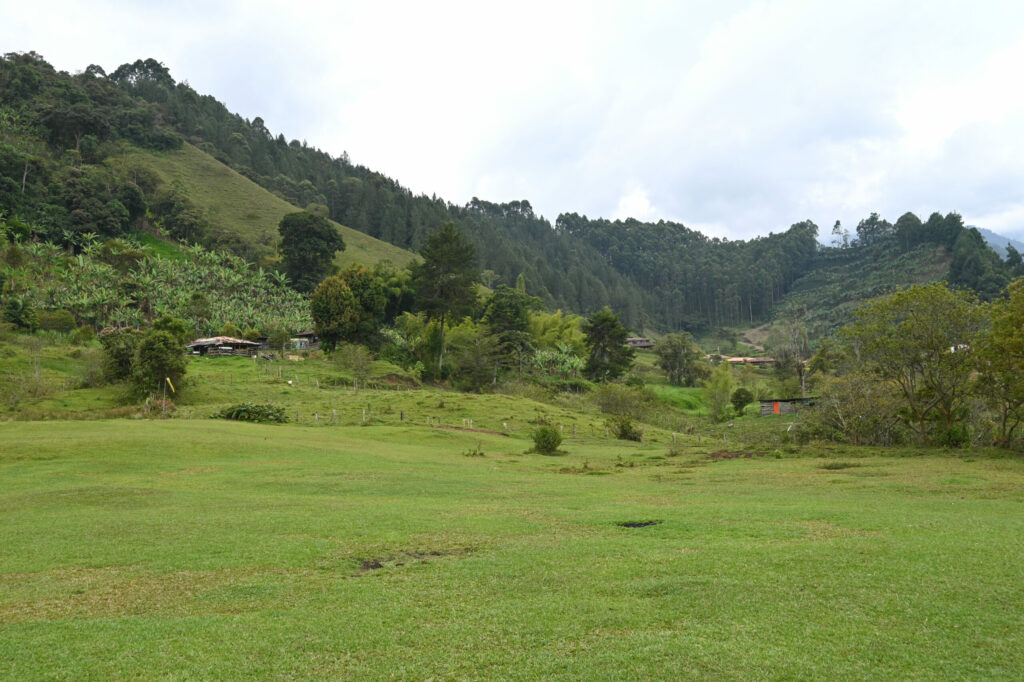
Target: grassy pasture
[200, 549]
[239, 206]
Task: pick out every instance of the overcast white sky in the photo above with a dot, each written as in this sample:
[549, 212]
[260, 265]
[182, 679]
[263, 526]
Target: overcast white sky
[736, 118]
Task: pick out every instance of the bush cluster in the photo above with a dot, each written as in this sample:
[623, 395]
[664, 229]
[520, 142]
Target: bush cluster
[546, 440]
[251, 412]
[624, 428]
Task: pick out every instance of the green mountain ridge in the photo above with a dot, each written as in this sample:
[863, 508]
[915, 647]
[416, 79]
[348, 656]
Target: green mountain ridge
[92, 154]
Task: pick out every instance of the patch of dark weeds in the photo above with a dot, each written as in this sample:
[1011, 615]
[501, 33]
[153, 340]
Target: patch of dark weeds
[638, 524]
[475, 452]
[584, 469]
[835, 466]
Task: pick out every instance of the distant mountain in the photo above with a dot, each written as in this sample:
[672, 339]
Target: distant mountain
[998, 242]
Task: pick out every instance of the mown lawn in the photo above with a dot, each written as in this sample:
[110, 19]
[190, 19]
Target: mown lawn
[201, 549]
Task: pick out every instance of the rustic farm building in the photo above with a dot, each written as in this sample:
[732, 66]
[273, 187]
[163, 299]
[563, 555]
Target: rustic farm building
[222, 345]
[639, 342]
[306, 340]
[772, 406]
[757, 362]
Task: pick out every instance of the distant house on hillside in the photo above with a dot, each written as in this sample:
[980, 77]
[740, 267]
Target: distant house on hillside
[757, 362]
[306, 340]
[222, 345]
[639, 342]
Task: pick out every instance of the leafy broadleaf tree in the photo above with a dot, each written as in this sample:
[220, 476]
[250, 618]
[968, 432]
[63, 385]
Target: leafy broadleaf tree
[445, 282]
[349, 307]
[718, 391]
[741, 397]
[175, 327]
[1000, 380]
[680, 357]
[119, 346]
[335, 312]
[921, 340]
[609, 356]
[308, 245]
[159, 356]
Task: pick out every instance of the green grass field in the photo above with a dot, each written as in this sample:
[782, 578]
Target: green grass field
[239, 206]
[202, 549]
[380, 538]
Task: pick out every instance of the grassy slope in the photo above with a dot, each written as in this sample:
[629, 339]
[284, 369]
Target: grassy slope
[207, 549]
[242, 207]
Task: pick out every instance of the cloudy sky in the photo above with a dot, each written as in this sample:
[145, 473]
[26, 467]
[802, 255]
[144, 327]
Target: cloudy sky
[736, 118]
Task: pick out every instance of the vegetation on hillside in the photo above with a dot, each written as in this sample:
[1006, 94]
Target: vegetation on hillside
[62, 140]
[122, 284]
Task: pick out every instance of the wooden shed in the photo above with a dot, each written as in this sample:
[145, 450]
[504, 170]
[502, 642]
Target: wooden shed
[772, 406]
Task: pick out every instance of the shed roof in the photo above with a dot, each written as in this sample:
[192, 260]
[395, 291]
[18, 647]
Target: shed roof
[220, 341]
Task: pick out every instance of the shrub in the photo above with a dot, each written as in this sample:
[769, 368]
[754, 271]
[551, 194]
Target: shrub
[175, 327]
[624, 428]
[91, 368]
[19, 312]
[546, 440]
[619, 399]
[741, 397]
[158, 357]
[56, 320]
[119, 347]
[251, 412]
[82, 335]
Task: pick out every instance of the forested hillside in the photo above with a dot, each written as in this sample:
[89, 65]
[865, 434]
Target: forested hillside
[95, 154]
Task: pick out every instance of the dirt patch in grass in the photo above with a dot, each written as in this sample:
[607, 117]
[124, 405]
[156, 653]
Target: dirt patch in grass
[399, 560]
[638, 524]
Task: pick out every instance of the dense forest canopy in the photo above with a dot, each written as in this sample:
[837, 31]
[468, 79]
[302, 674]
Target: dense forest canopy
[59, 134]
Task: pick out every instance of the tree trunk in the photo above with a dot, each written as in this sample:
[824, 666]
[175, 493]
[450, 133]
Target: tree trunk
[24, 177]
[440, 353]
